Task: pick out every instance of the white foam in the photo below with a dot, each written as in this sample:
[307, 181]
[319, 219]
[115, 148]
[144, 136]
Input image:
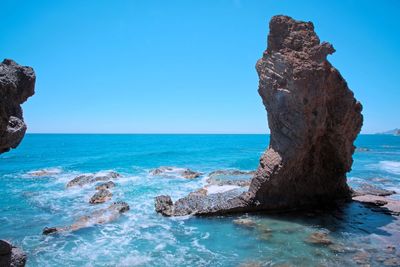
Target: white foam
[390, 166]
[213, 189]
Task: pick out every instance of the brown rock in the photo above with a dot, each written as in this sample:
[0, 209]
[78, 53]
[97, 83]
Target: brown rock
[314, 120]
[392, 262]
[101, 196]
[171, 171]
[107, 185]
[319, 238]
[17, 84]
[246, 222]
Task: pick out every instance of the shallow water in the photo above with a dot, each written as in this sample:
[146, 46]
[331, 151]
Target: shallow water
[141, 237]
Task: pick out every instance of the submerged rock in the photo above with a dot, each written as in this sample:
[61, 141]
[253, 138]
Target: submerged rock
[44, 172]
[17, 84]
[314, 120]
[84, 179]
[384, 204]
[245, 222]
[11, 256]
[101, 216]
[101, 196]
[171, 171]
[107, 185]
[319, 238]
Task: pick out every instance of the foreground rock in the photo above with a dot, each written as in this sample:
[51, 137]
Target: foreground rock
[17, 84]
[84, 179]
[172, 171]
[101, 216]
[314, 120]
[101, 196]
[11, 256]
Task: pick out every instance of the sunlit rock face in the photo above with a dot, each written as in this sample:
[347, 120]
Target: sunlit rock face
[17, 84]
[314, 120]
[313, 116]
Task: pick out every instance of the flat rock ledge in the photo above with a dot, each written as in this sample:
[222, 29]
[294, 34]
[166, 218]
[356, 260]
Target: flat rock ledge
[314, 120]
[11, 255]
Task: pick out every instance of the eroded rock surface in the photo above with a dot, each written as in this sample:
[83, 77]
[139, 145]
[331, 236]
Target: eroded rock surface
[101, 216]
[100, 196]
[314, 120]
[84, 179]
[17, 84]
[11, 255]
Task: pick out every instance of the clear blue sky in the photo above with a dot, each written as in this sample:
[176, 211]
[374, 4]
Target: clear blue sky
[186, 66]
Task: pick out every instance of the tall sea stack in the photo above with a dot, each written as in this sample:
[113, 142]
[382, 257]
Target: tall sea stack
[314, 120]
[17, 84]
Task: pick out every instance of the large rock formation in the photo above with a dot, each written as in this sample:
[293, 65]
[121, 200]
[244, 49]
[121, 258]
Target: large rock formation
[17, 83]
[314, 120]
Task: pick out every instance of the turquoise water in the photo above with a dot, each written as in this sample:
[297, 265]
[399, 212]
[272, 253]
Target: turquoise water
[141, 237]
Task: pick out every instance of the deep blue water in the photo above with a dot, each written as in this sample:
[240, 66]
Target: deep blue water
[142, 237]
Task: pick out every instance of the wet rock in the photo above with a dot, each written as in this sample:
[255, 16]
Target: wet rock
[171, 171]
[17, 84]
[200, 192]
[314, 120]
[11, 255]
[164, 205]
[319, 238]
[189, 174]
[44, 172]
[101, 196]
[101, 216]
[362, 149]
[107, 185]
[84, 179]
[385, 204]
[246, 222]
[392, 262]
[390, 249]
[362, 258]
[368, 189]
[337, 248]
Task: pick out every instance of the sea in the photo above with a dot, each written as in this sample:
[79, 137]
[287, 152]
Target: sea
[356, 234]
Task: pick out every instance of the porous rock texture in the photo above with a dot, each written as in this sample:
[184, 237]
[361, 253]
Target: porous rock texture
[314, 120]
[17, 84]
[11, 256]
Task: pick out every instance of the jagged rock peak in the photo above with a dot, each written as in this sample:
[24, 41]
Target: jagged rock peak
[17, 84]
[314, 120]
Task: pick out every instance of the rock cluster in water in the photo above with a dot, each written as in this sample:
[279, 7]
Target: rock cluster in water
[103, 194]
[314, 120]
[10, 255]
[17, 84]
